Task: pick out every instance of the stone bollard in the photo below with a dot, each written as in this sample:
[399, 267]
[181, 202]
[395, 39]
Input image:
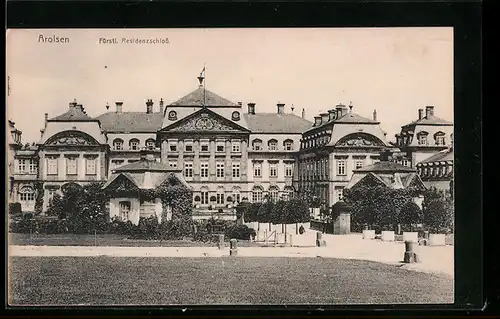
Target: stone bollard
[233, 248]
[410, 254]
[319, 240]
[426, 235]
[290, 240]
[220, 244]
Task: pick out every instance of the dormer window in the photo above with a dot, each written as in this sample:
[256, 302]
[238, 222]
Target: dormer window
[439, 138]
[273, 145]
[118, 144]
[257, 145]
[172, 116]
[172, 146]
[422, 138]
[150, 144]
[134, 144]
[288, 144]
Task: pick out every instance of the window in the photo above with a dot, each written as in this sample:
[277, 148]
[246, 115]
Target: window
[90, 165]
[204, 196]
[52, 166]
[439, 138]
[188, 147]
[422, 138]
[404, 162]
[257, 194]
[236, 170]
[220, 197]
[220, 170]
[273, 170]
[235, 146]
[257, 169]
[204, 170]
[341, 167]
[204, 146]
[172, 146]
[358, 164]
[118, 144]
[71, 166]
[340, 192]
[236, 195]
[27, 194]
[21, 168]
[220, 147]
[257, 145]
[273, 145]
[288, 170]
[124, 210]
[172, 164]
[288, 145]
[32, 166]
[50, 194]
[288, 192]
[188, 169]
[274, 193]
[172, 116]
[134, 144]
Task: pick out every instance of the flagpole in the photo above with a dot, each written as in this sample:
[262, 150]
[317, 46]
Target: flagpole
[205, 85]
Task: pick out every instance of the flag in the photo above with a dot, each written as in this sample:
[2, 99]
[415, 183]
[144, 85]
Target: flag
[202, 71]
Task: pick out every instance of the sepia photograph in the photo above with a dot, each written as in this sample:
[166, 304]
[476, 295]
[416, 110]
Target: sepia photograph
[230, 166]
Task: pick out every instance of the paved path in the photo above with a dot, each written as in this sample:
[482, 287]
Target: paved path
[433, 259]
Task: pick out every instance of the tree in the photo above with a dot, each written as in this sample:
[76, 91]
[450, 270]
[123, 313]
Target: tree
[410, 214]
[438, 211]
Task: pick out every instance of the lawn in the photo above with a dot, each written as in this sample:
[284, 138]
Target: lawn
[227, 280]
[105, 240]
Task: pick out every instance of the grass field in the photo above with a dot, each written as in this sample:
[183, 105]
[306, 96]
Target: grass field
[104, 240]
[164, 281]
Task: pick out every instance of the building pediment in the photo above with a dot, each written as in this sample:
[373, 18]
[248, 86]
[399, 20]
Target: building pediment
[360, 140]
[71, 138]
[205, 120]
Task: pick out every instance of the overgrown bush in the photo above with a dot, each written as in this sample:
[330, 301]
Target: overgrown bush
[438, 212]
[15, 210]
[239, 232]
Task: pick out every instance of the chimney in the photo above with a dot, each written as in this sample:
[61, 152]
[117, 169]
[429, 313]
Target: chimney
[317, 120]
[429, 111]
[251, 108]
[420, 114]
[161, 105]
[119, 107]
[324, 117]
[149, 106]
[72, 104]
[338, 108]
[46, 118]
[281, 108]
[331, 114]
[41, 132]
[240, 104]
[303, 113]
[375, 115]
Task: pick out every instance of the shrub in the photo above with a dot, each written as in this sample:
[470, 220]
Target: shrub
[410, 215]
[15, 210]
[22, 226]
[239, 232]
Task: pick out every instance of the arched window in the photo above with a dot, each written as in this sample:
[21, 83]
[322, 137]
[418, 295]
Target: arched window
[118, 144]
[274, 193]
[204, 195]
[439, 138]
[257, 194]
[27, 194]
[236, 195]
[273, 145]
[288, 145]
[288, 192]
[220, 196]
[257, 145]
[134, 144]
[422, 138]
[150, 144]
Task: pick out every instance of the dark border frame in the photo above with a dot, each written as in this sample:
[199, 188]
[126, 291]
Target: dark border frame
[464, 16]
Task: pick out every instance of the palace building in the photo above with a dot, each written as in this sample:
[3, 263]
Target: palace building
[223, 151]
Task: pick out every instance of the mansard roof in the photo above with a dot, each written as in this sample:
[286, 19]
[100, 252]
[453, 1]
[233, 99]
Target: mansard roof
[429, 120]
[75, 113]
[386, 167]
[443, 156]
[276, 123]
[130, 121]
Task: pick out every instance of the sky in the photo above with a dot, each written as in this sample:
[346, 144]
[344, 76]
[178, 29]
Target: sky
[394, 71]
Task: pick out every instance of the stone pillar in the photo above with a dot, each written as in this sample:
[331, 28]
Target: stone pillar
[244, 160]
[159, 209]
[81, 167]
[220, 243]
[61, 167]
[410, 254]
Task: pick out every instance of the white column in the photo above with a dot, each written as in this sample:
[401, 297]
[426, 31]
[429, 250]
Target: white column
[135, 211]
[98, 167]
[61, 167]
[81, 167]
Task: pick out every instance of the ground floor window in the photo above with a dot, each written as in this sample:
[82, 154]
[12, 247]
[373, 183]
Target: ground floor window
[124, 210]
